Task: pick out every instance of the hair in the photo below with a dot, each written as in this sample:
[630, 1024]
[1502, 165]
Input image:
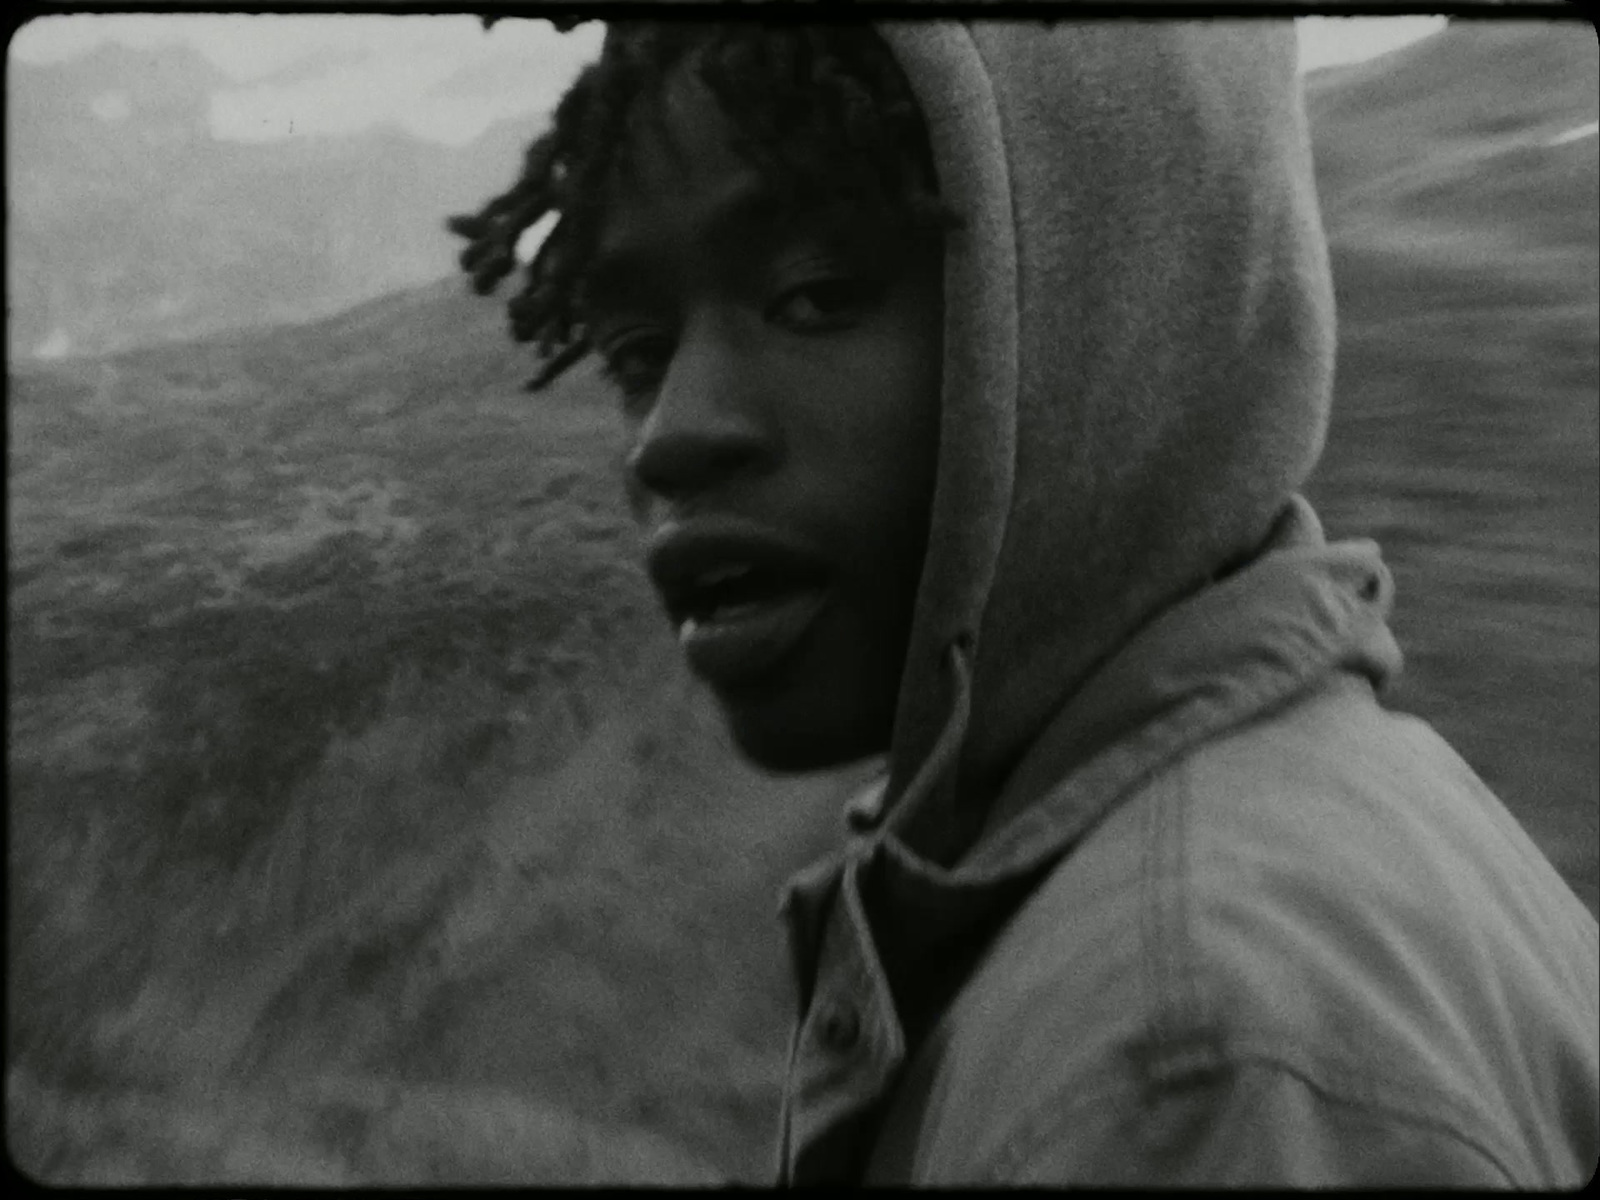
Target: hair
[822, 111]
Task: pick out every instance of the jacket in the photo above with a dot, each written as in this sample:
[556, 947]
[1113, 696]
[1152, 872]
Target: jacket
[1154, 890]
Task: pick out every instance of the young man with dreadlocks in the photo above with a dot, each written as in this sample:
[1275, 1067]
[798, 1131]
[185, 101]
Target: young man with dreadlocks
[970, 374]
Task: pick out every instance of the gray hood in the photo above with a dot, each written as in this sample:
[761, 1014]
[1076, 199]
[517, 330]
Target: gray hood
[1138, 363]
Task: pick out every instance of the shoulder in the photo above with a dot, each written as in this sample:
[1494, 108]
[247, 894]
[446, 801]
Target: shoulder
[1321, 925]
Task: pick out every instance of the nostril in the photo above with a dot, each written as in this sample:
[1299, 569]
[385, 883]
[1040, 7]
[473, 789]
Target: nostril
[676, 466]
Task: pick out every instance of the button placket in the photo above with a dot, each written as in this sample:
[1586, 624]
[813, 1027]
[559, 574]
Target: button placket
[849, 1050]
[840, 1030]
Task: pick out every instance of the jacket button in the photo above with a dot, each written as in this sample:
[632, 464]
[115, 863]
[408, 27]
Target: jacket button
[841, 1029]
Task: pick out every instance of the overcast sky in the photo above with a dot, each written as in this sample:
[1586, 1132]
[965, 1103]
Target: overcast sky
[442, 77]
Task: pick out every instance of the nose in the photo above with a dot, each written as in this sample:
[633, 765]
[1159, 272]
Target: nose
[704, 429]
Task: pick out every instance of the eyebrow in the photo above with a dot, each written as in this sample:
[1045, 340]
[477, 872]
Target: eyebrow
[752, 210]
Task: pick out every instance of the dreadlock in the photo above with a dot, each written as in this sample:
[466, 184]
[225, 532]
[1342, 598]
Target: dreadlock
[822, 111]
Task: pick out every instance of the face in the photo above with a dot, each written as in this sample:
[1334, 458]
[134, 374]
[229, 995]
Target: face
[779, 378]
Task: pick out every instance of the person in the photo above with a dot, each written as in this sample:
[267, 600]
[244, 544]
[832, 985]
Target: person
[971, 373]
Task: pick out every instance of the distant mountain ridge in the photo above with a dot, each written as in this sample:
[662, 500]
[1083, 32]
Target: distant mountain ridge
[136, 226]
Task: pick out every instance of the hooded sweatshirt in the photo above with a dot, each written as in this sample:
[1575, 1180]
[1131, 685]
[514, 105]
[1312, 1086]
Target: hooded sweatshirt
[1154, 890]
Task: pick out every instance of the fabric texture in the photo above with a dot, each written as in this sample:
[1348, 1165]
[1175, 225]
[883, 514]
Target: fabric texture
[1154, 890]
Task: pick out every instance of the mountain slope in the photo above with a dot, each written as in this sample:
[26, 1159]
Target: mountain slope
[1449, 137]
[1467, 269]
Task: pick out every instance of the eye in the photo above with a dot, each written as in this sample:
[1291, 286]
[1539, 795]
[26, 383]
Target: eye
[636, 363]
[824, 304]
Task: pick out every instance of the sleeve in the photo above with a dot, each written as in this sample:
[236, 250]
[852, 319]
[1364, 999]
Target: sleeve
[1257, 1123]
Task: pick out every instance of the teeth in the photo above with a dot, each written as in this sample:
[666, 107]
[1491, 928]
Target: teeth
[722, 612]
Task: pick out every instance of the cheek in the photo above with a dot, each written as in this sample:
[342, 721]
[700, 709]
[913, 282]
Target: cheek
[638, 499]
[885, 395]
[885, 459]
[916, 373]
[910, 393]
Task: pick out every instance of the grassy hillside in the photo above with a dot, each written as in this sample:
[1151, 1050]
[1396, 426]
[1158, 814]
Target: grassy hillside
[364, 826]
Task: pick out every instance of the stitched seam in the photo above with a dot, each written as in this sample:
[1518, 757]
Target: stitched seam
[1440, 1106]
[1173, 974]
[1146, 921]
[1052, 1117]
[1190, 1009]
[1459, 1102]
[1166, 921]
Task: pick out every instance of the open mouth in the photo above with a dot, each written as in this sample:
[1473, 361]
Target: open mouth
[740, 597]
[735, 591]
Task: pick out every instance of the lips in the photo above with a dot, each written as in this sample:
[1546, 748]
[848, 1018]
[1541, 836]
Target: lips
[740, 594]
